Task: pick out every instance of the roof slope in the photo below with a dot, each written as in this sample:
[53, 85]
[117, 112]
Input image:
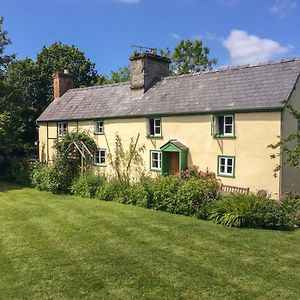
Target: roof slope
[258, 87]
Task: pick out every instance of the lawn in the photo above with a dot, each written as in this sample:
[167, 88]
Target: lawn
[62, 247]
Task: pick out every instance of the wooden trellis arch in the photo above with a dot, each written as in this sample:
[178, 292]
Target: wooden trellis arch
[84, 152]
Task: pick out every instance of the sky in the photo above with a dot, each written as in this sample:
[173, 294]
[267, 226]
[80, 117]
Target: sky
[236, 31]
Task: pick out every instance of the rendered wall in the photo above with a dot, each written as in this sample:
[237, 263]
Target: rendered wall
[254, 132]
[291, 176]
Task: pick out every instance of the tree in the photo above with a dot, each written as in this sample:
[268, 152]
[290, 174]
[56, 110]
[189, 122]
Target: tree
[189, 57]
[58, 57]
[121, 75]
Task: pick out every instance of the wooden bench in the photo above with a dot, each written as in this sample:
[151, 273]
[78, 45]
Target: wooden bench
[228, 189]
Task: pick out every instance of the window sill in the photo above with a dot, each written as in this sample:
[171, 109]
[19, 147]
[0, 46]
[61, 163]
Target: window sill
[99, 165]
[155, 170]
[98, 133]
[154, 136]
[224, 136]
[224, 175]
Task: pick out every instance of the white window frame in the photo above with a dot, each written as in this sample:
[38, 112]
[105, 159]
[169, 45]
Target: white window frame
[154, 127]
[158, 160]
[99, 129]
[98, 155]
[215, 126]
[62, 128]
[226, 165]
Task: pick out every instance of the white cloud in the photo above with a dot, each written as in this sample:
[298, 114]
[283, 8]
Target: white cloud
[175, 35]
[245, 48]
[283, 7]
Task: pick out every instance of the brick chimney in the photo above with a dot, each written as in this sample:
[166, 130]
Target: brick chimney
[147, 69]
[62, 81]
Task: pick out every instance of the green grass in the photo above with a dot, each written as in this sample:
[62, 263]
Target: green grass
[62, 247]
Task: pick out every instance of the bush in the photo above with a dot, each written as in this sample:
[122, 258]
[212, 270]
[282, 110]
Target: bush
[110, 191]
[41, 177]
[291, 204]
[164, 193]
[250, 211]
[87, 185]
[193, 195]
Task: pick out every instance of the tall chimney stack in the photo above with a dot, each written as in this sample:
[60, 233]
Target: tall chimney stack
[147, 69]
[62, 81]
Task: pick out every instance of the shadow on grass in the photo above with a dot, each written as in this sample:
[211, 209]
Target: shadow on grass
[9, 186]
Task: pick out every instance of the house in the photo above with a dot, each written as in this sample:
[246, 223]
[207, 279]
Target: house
[220, 120]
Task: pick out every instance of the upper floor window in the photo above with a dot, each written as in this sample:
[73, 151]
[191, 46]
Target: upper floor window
[223, 125]
[99, 127]
[62, 128]
[154, 127]
[298, 124]
[100, 157]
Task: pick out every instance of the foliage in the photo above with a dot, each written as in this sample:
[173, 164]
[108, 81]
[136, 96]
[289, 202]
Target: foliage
[112, 190]
[250, 211]
[193, 194]
[41, 177]
[121, 75]
[87, 185]
[164, 193]
[291, 205]
[126, 162]
[189, 57]
[5, 60]
[58, 178]
[289, 146]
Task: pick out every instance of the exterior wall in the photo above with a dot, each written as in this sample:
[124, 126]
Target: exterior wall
[254, 131]
[290, 176]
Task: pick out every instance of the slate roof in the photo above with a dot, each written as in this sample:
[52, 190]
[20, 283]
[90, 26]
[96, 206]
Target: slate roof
[241, 88]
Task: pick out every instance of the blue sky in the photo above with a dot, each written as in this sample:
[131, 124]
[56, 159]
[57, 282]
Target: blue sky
[236, 31]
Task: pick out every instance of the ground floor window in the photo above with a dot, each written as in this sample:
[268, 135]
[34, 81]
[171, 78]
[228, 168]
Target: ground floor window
[226, 166]
[155, 160]
[100, 157]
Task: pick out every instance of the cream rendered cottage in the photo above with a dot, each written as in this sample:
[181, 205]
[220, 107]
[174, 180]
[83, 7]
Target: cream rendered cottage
[220, 120]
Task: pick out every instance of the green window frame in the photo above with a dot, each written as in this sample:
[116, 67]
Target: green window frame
[154, 127]
[155, 160]
[100, 157]
[226, 166]
[223, 125]
[99, 127]
[62, 128]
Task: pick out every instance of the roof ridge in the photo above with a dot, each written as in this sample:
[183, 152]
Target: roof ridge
[235, 67]
[94, 87]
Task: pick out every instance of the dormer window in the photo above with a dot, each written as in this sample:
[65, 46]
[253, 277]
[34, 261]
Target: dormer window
[154, 127]
[223, 125]
[62, 128]
[99, 127]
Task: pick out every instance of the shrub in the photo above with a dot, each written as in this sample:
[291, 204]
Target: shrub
[139, 194]
[193, 194]
[41, 177]
[87, 185]
[250, 211]
[164, 193]
[291, 205]
[111, 190]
